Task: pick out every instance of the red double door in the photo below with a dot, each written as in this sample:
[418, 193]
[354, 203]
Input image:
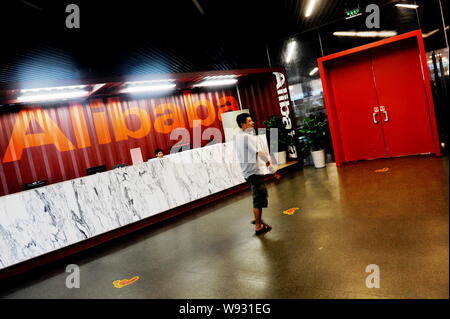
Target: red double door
[381, 103]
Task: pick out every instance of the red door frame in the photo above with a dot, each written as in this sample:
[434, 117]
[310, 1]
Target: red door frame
[329, 98]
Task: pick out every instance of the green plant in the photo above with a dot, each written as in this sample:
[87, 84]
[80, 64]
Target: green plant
[316, 132]
[284, 139]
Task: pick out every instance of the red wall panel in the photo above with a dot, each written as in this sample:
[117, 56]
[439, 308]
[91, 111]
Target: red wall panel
[259, 95]
[101, 131]
[96, 133]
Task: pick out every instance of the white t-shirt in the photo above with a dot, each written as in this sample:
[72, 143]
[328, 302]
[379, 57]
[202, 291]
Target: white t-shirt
[251, 154]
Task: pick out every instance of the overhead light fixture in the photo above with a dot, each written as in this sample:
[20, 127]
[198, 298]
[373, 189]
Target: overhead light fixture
[97, 87]
[52, 93]
[216, 82]
[219, 77]
[354, 16]
[426, 35]
[314, 71]
[54, 88]
[199, 7]
[310, 8]
[129, 83]
[408, 6]
[366, 34]
[291, 49]
[52, 96]
[149, 86]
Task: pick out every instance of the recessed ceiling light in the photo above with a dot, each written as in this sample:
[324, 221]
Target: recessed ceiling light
[310, 8]
[291, 49]
[366, 34]
[426, 35]
[314, 71]
[148, 88]
[220, 77]
[54, 88]
[148, 82]
[354, 16]
[409, 6]
[52, 96]
[216, 82]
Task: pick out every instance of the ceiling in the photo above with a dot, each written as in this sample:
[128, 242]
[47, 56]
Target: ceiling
[125, 37]
[115, 86]
[120, 38]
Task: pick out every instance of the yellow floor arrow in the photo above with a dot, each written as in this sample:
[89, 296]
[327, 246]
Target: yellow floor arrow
[290, 211]
[124, 282]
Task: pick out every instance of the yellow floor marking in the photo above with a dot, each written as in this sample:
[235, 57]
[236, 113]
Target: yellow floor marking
[290, 211]
[124, 282]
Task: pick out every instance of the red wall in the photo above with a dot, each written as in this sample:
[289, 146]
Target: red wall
[259, 95]
[98, 132]
[59, 141]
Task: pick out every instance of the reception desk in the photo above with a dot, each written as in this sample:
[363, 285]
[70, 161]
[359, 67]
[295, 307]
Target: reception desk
[45, 224]
[49, 218]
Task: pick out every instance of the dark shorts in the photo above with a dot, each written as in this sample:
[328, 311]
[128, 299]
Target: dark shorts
[259, 191]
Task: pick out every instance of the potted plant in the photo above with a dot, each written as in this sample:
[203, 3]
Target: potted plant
[284, 139]
[316, 138]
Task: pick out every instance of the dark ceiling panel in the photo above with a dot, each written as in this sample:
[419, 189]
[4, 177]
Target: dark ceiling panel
[139, 37]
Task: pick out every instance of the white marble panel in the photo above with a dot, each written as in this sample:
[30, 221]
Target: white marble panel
[42, 220]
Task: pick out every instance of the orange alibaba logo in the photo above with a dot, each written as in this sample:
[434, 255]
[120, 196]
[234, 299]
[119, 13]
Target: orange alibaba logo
[162, 118]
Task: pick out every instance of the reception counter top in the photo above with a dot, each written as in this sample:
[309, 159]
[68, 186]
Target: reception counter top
[52, 217]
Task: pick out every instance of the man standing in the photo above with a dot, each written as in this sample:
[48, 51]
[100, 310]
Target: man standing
[247, 154]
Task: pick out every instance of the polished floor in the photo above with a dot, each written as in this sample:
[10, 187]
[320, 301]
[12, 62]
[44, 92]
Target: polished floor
[348, 218]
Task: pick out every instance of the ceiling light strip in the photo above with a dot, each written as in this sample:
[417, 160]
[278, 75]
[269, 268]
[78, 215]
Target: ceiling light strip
[314, 71]
[310, 8]
[217, 82]
[408, 6]
[148, 88]
[365, 34]
[52, 96]
[56, 88]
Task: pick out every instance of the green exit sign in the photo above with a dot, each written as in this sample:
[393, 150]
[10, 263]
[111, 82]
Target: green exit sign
[352, 13]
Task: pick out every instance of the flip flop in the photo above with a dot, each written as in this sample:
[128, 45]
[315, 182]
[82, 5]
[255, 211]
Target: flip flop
[254, 222]
[263, 230]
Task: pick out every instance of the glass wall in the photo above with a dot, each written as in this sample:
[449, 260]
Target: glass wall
[434, 24]
[299, 54]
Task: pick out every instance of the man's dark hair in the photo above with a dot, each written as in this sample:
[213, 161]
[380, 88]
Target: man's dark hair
[158, 150]
[242, 118]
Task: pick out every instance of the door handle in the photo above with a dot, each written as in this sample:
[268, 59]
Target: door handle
[383, 109]
[376, 110]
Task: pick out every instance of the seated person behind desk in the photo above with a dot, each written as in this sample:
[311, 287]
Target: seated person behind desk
[159, 153]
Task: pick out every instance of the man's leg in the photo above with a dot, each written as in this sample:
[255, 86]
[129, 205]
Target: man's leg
[258, 215]
[259, 193]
